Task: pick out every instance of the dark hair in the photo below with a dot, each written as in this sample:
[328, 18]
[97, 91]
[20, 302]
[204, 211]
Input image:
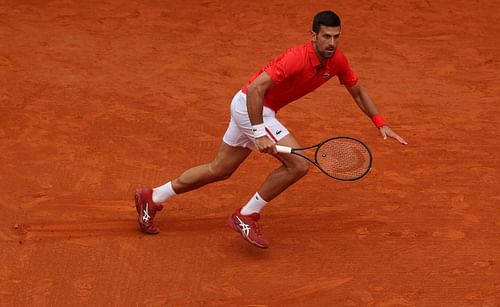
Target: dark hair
[325, 18]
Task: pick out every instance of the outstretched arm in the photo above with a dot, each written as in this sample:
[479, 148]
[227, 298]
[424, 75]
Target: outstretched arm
[366, 104]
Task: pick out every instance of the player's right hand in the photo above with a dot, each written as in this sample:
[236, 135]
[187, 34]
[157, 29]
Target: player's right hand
[265, 145]
[386, 131]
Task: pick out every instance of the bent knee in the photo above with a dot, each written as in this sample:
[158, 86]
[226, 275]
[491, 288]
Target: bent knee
[220, 173]
[299, 168]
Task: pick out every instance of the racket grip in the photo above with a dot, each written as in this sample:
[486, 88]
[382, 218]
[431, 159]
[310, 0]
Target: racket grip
[283, 149]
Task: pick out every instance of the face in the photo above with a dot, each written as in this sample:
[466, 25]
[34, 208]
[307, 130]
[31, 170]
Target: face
[325, 41]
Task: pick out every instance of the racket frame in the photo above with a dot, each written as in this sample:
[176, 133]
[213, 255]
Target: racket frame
[295, 151]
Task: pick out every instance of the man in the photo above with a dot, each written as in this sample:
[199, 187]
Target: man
[254, 125]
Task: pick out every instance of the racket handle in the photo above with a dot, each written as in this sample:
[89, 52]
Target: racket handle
[283, 149]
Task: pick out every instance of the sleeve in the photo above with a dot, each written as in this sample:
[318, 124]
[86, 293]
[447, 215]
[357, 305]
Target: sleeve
[346, 75]
[284, 66]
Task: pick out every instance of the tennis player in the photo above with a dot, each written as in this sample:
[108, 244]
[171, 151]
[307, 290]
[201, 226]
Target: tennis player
[254, 126]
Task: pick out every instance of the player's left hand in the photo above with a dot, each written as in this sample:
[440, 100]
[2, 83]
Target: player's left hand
[386, 131]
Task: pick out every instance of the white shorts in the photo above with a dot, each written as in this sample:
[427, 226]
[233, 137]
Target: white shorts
[239, 132]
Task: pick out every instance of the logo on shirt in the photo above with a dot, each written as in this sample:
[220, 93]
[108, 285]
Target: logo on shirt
[326, 75]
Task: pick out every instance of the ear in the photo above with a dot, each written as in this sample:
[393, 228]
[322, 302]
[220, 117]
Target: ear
[313, 36]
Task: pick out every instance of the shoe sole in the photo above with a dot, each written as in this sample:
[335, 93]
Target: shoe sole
[231, 222]
[138, 201]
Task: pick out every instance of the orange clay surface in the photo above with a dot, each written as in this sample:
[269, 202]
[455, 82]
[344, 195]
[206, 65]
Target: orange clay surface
[98, 98]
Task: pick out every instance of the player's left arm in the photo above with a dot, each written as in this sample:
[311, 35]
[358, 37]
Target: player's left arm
[366, 104]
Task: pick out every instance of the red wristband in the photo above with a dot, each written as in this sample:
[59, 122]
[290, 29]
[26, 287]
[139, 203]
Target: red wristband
[379, 120]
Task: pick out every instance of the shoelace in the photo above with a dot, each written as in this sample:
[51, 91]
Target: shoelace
[153, 208]
[256, 228]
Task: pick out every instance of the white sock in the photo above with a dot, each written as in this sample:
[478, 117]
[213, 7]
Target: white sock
[255, 204]
[162, 193]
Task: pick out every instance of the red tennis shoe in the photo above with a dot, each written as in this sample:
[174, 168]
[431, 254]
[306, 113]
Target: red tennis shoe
[248, 227]
[146, 210]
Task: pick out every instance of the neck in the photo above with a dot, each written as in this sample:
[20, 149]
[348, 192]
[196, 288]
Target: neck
[318, 54]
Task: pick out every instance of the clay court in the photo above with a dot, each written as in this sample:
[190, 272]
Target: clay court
[98, 98]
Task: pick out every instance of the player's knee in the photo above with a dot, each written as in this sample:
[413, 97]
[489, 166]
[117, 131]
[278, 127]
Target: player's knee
[300, 168]
[219, 172]
[304, 168]
[225, 175]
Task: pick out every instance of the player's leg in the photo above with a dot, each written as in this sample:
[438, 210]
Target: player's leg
[149, 201]
[292, 169]
[227, 160]
[234, 149]
[245, 219]
[232, 152]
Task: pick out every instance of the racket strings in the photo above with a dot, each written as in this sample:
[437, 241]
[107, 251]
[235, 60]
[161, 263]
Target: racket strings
[344, 158]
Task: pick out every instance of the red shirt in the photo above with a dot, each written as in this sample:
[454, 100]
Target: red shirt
[298, 71]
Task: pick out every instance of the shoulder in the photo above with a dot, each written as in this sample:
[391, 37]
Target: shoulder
[339, 60]
[292, 59]
[297, 53]
[339, 57]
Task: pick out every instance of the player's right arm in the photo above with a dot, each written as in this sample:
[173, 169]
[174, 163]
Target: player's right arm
[255, 98]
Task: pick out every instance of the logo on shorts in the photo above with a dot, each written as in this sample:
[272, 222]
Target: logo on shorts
[278, 132]
[326, 75]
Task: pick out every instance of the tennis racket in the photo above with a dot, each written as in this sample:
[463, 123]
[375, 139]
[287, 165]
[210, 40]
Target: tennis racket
[342, 157]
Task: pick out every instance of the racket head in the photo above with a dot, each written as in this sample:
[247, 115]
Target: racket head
[343, 158]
